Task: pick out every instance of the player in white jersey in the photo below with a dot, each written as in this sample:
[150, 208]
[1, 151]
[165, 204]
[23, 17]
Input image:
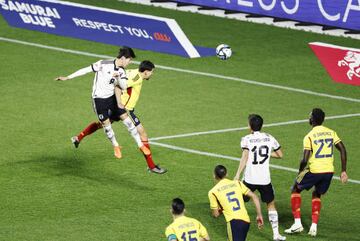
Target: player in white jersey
[110, 78]
[257, 148]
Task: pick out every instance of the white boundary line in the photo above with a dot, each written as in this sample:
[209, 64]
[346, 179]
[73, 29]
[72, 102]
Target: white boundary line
[245, 127]
[231, 158]
[308, 92]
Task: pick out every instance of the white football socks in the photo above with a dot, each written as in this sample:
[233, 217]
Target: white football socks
[110, 135]
[298, 221]
[273, 218]
[133, 131]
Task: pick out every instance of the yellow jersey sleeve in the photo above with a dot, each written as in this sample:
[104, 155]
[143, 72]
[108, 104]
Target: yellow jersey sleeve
[307, 143]
[170, 234]
[244, 189]
[213, 201]
[336, 138]
[202, 231]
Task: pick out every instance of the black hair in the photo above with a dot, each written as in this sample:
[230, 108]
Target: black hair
[146, 65]
[220, 171]
[126, 52]
[255, 122]
[177, 206]
[317, 116]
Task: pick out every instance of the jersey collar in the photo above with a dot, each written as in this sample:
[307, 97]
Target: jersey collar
[115, 68]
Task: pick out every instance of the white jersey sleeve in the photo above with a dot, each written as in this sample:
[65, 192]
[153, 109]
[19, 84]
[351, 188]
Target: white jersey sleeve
[275, 144]
[244, 144]
[97, 66]
[80, 72]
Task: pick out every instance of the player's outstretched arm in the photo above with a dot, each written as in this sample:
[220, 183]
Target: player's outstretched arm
[78, 73]
[243, 161]
[61, 78]
[259, 217]
[341, 147]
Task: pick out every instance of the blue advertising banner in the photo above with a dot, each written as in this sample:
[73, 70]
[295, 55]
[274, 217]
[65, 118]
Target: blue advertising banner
[101, 25]
[338, 13]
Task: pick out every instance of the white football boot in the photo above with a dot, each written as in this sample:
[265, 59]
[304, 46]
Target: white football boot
[295, 228]
[313, 230]
[279, 238]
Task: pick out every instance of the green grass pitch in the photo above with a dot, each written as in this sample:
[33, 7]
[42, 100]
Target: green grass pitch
[50, 191]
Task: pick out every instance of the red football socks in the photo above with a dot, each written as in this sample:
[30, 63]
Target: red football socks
[148, 158]
[316, 206]
[94, 126]
[296, 204]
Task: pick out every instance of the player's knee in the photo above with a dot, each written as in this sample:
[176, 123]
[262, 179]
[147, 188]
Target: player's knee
[295, 189]
[316, 194]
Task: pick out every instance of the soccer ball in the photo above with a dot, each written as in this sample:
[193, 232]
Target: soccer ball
[223, 51]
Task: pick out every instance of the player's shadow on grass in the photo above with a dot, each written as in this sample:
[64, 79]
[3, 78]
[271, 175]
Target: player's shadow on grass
[71, 166]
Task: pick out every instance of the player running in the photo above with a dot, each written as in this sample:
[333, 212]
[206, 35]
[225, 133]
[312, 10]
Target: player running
[106, 101]
[129, 98]
[227, 197]
[257, 148]
[184, 228]
[319, 154]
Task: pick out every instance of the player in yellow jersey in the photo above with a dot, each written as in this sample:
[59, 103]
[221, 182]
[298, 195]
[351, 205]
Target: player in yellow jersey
[129, 99]
[184, 228]
[316, 169]
[227, 197]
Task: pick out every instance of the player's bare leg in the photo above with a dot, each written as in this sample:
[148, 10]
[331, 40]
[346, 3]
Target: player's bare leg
[111, 136]
[134, 133]
[274, 221]
[151, 165]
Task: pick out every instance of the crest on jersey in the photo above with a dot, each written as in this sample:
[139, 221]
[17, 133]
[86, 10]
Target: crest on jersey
[342, 63]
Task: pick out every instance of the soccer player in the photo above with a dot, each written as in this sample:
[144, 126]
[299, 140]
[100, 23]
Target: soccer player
[227, 197]
[257, 148]
[129, 99]
[106, 101]
[184, 228]
[316, 169]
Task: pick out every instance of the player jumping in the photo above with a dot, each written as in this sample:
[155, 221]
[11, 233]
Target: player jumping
[129, 98]
[108, 74]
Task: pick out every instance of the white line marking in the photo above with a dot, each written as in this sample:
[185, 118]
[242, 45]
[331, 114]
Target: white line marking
[231, 158]
[245, 128]
[308, 92]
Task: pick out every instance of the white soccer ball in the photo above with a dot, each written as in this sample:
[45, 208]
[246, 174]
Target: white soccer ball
[223, 51]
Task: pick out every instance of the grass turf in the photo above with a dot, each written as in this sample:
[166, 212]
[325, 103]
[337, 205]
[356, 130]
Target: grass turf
[50, 191]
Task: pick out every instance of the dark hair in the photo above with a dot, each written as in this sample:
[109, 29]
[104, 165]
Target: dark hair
[255, 122]
[126, 52]
[317, 116]
[220, 171]
[146, 65]
[177, 206]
